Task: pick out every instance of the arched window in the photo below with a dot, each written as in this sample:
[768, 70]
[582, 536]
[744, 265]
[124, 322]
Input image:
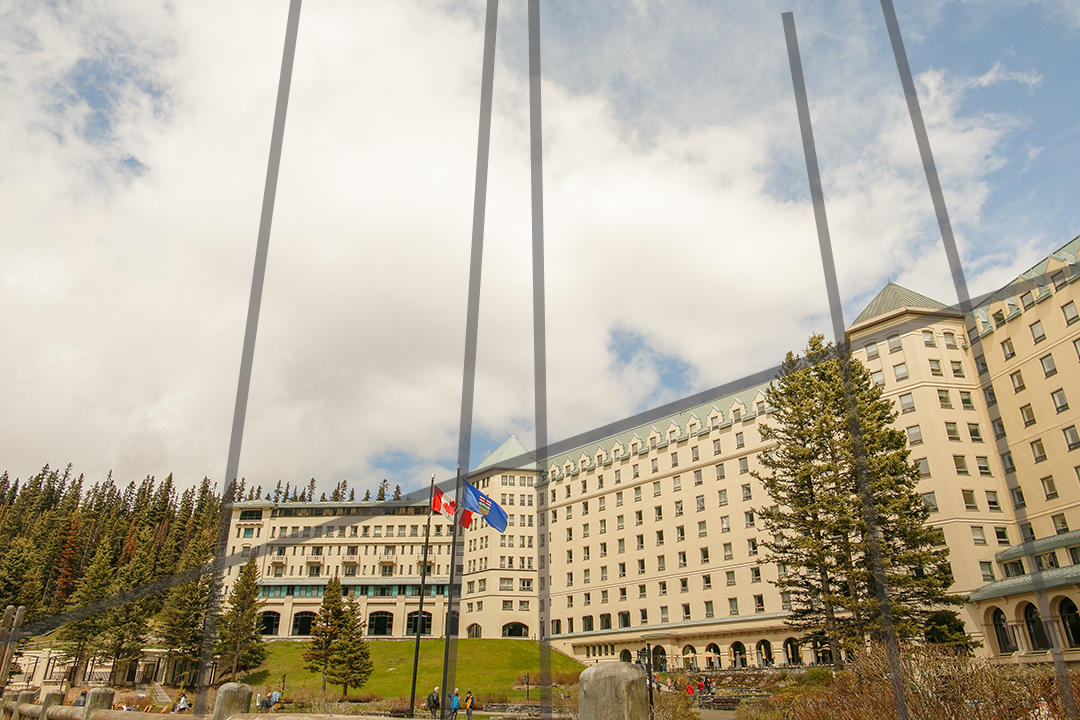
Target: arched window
[659, 659]
[764, 653]
[515, 629]
[301, 623]
[712, 656]
[270, 622]
[822, 653]
[625, 656]
[792, 652]
[1035, 629]
[1003, 633]
[475, 631]
[380, 623]
[1070, 618]
[689, 657]
[738, 655]
[411, 623]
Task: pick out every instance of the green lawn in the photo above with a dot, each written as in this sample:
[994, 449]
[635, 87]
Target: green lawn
[483, 666]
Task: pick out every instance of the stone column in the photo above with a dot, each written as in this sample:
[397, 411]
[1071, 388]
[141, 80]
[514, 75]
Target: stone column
[232, 699]
[53, 697]
[612, 691]
[26, 697]
[99, 698]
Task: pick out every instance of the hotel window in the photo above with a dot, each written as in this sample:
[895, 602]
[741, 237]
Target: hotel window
[944, 399]
[978, 535]
[751, 546]
[659, 512]
[987, 569]
[706, 582]
[1069, 310]
[974, 432]
[622, 569]
[680, 533]
[602, 503]
[716, 447]
[931, 501]
[1038, 451]
[659, 537]
[1017, 497]
[914, 434]
[694, 456]
[907, 403]
[1007, 463]
[640, 542]
[1061, 403]
[704, 556]
[924, 467]
[1046, 561]
[656, 489]
[980, 365]
[618, 499]
[720, 474]
[638, 517]
[1027, 414]
[585, 508]
[969, 500]
[722, 495]
[1007, 349]
[991, 396]
[935, 368]
[1061, 526]
[739, 440]
[674, 459]
[1048, 366]
[1014, 568]
[950, 340]
[759, 603]
[1049, 488]
[619, 523]
[998, 426]
[663, 614]
[682, 559]
[1002, 535]
[983, 463]
[755, 574]
[957, 368]
[1017, 381]
[871, 351]
[685, 612]
[676, 483]
[1026, 533]
[952, 431]
[700, 501]
[621, 545]
[999, 319]
[603, 526]
[1072, 438]
[637, 494]
[733, 606]
[736, 414]
[749, 516]
[725, 524]
[744, 465]
[661, 563]
[928, 338]
[746, 492]
[635, 469]
[1027, 300]
[728, 552]
[569, 534]
[878, 377]
[655, 465]
[894, 343]
[900, 371]
[992, 503]
[618, 473]
[1059, 279]
[1037, 333]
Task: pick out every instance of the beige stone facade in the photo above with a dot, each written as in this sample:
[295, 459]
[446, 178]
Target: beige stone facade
[650, 536]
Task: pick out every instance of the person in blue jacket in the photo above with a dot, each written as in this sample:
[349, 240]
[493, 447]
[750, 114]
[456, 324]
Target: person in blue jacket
[455, 703]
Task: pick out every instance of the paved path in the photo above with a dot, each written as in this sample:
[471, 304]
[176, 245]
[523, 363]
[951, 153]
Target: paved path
[159, 695]
[716, 714]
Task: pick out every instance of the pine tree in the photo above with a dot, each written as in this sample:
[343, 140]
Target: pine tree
[239, 644]
[288, 489]
[180, 622]
[326, 630]
[350, 659]
[69, 559]
[76, 638]
[352, 495]
[367, 496]
[397, 493]
[311, 490]
[125, 627]
[323, 498]
[383, 487]
[818, 534]
[277, 492]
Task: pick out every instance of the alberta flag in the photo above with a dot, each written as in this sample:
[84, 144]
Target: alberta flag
[487, 508]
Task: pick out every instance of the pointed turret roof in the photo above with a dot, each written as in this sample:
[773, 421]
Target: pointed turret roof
[895, 297]
[511, 455]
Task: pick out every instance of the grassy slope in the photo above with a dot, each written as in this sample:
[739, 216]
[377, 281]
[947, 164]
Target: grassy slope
[483, 666]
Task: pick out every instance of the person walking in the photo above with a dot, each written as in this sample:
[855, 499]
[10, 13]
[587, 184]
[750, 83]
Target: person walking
[455, 704]
[433, 702]
[469, 702]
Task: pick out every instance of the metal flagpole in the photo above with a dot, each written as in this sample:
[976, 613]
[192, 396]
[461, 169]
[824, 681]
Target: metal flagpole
[419, 626]
[450, 631]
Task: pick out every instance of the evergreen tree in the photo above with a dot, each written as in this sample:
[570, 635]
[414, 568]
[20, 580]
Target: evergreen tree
[239, 643]
[818, 533]
[350, 659]
[367, 496]
[944, 627]
[352, 495]
[180, 622]
[288, 489]
[323, 498]
[311, 490]
[125, 627]
[397, 493]
[327, 630]
[384, 486]
[277, 492]
[69, 568]
[76, 638]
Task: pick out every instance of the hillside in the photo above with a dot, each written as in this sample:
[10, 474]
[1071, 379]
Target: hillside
[483, 666]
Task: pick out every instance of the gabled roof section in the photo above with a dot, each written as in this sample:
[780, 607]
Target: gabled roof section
[894, 297]
[504, 456]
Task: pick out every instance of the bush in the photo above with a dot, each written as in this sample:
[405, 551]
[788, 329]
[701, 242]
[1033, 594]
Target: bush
[816, 676]
[941, 684]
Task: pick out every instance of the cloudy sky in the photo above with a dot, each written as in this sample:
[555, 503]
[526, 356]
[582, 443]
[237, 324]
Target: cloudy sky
[680, 237]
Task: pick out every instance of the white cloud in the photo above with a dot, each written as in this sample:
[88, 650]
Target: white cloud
[130, 290]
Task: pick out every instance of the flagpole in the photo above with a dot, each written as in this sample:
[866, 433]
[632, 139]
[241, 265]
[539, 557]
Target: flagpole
[419, 625]
[447, 676]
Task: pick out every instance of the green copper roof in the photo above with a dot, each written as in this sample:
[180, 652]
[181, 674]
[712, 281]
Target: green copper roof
[509, 450]
[893, 297]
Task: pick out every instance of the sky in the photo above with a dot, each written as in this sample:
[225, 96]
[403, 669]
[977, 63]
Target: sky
[679, 232]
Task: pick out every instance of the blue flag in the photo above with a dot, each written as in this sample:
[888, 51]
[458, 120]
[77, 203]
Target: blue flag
[478, 502]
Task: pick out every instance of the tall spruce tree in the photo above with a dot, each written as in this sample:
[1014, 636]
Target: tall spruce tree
[76, 639]
[384, 487]
[350, 658]
[397, 493]
[327, 630]
[180, 622]
[819, 538]
[239, 643]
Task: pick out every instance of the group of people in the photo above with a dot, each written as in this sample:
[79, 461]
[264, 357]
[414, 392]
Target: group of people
[455, 702]
[704, 686]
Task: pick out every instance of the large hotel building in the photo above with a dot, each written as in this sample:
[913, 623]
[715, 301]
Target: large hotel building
[651, 535]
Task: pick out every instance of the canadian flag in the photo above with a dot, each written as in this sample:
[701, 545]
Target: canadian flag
[442, 505]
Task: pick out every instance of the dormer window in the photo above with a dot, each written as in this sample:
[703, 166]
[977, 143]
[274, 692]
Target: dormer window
[736, 414]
